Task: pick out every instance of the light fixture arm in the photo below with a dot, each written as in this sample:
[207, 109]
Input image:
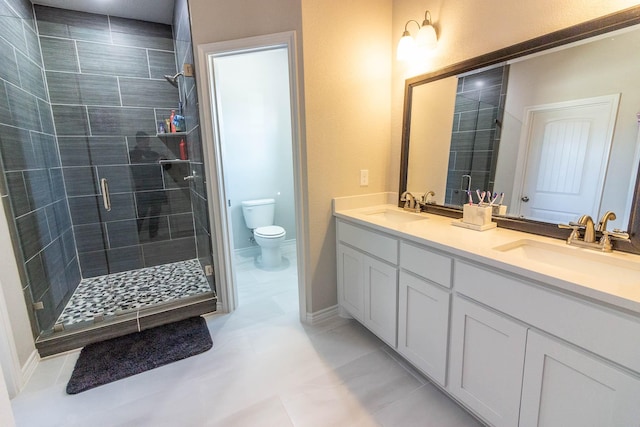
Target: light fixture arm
[406, 32]
[427, 18]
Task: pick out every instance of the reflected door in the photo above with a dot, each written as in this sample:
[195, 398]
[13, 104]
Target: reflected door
[567, 151]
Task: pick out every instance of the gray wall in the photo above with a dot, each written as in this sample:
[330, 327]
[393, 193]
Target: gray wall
[105, 79]
[31, 167]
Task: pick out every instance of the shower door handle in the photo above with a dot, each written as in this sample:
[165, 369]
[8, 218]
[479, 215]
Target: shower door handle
[106, 199]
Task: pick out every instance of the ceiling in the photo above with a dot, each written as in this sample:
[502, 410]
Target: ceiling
[145, 10]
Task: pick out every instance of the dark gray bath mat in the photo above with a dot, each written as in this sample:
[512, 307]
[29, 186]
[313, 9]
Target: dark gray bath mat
[103, 362]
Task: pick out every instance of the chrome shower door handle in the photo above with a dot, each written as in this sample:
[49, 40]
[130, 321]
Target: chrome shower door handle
[106, 199]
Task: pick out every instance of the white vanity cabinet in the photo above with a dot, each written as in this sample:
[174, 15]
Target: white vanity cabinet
[368, 279]
[514, 350]
[486, 362]
[423, 310]
[564, 386]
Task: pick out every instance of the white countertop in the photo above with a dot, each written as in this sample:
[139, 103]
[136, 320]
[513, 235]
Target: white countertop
[621, 289]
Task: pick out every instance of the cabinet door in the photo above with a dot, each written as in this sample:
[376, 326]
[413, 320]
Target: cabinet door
[423, 325]
[565, 387]
[487, 359]
[381, 299]
[351, 281]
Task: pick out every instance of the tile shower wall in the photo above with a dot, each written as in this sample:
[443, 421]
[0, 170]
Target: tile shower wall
[188, 90]
[476, 132]
[32, 186]
[105, 80]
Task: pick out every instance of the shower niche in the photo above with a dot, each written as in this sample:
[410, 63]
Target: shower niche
[110, 219]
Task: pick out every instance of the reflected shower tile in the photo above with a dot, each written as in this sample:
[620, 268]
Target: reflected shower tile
[98, 58]
[122, 233]
[53, 259]
[61, 209]
[93, 263]
[33, 46]
[80, 181]
[31, 77]
[111, 121]
[36, 276]
[74, 151]
[82, 89]
[33, 230]
[24, 108]
[11, 27]
[72, 24]
[148, 93]
[147, 177]
[17, 193]
[9, 69]
[119, 178]
[70, 120]
[161, 63]
[89, 237]
[46, 117]
[57, 184]
[125, 259]
[59, 54]
[130, 32]
[181, 225]
[68, 246]
[169, 251]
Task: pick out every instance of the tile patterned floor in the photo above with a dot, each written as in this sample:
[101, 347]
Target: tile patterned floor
[265, 369]
[109, 295]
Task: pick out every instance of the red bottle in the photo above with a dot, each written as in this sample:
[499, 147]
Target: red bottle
[183, 150]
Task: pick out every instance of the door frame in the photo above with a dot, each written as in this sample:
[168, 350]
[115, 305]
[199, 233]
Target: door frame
[221, 222]
[524, 151]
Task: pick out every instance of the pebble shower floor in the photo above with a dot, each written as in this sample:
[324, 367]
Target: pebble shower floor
[129, 290]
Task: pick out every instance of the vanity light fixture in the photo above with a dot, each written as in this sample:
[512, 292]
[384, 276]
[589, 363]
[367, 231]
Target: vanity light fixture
[426, 37]
[407, 44]
[425, 40]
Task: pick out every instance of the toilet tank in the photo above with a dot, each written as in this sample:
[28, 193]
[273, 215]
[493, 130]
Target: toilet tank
[258, 213]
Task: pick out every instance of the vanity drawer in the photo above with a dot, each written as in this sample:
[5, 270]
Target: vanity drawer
[430, 265]
[376, 244]
[610, 334]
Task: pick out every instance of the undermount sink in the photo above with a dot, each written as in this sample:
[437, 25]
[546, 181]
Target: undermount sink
[597, 266]
[395, 216]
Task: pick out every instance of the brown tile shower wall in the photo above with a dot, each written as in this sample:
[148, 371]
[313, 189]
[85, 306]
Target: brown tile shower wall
[184, 55]
[32, 186]
[107, 90]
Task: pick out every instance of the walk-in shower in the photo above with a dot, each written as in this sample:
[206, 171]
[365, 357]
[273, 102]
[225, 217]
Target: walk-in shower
[108, 215]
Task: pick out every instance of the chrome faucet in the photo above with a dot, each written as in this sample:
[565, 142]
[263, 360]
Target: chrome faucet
[425, 197]
[410, 201]
[588, 240]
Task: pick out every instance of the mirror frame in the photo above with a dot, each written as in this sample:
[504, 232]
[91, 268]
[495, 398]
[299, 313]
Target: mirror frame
[615, 21]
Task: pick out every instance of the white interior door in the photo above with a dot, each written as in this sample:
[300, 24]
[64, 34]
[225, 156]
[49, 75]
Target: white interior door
[564, 156]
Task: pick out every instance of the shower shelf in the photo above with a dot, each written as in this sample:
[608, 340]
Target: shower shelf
[167, 134]
[173, 161]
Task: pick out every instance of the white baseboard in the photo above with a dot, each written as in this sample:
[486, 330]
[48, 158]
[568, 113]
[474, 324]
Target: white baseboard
[29, 368]
[321, 315]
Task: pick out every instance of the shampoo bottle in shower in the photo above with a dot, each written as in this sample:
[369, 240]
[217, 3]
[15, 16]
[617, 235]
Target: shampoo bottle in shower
[173, 126]
[183, 150]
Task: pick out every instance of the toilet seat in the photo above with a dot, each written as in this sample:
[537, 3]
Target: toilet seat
[269, 232]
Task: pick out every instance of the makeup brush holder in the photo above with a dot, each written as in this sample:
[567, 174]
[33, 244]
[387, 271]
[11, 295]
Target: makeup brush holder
[476, 217]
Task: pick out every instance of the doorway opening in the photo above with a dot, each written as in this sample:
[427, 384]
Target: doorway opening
[255, 147]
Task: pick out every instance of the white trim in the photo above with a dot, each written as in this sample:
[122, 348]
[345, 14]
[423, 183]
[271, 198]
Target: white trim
[221, 238]
[30, 366]
[9, 360]
[322, 315]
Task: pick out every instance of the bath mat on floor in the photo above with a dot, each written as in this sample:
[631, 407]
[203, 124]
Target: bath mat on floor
[103, 362]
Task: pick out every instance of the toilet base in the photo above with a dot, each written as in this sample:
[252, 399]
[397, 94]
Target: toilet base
[271, 257]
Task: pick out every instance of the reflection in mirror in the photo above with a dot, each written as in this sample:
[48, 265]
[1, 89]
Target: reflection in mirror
[564, 122]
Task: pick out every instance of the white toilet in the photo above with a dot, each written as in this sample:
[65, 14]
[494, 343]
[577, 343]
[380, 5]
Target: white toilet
[259, 214]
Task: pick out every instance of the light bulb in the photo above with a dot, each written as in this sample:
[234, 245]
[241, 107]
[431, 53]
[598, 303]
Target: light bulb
[406, 47]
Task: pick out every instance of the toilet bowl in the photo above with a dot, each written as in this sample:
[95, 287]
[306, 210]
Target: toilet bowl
[259, 216]
[269, 239]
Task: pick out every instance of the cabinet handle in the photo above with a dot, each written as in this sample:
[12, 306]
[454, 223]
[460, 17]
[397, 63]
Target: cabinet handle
[106, 199]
